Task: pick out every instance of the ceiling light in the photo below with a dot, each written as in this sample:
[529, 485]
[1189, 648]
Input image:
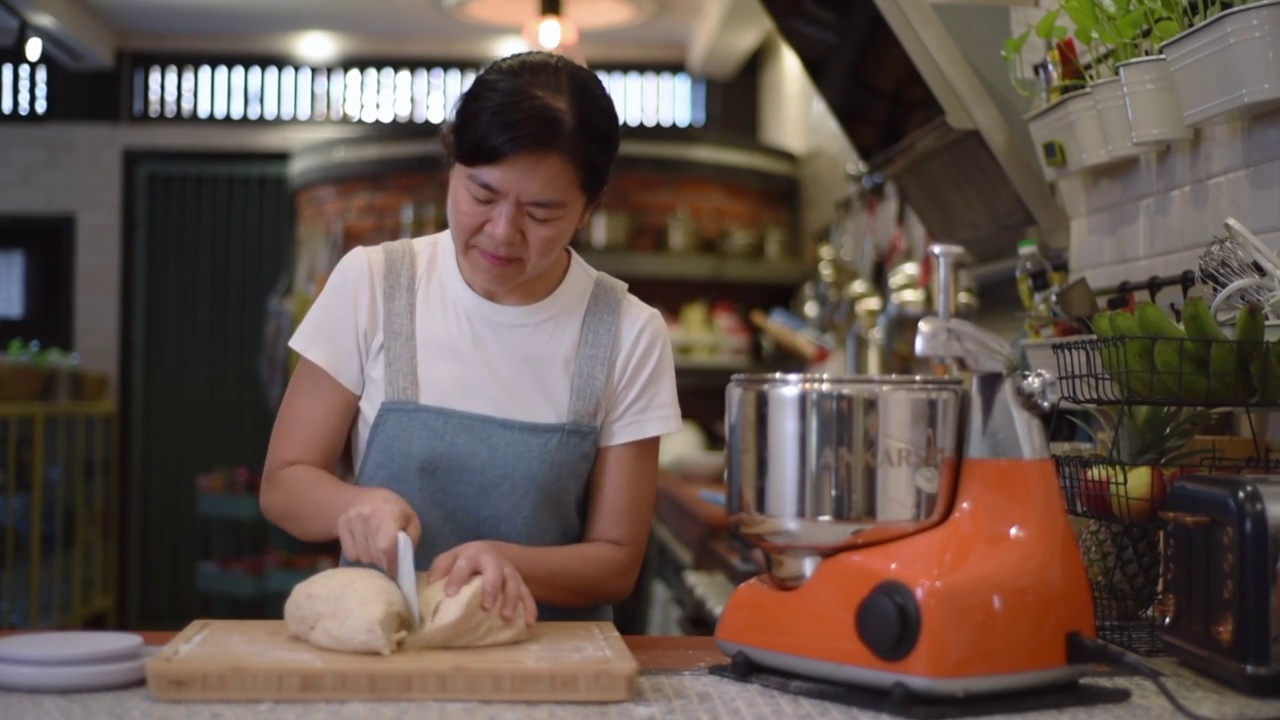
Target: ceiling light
[316, 46]
[551, 31]
[34, 48]
[587, 15]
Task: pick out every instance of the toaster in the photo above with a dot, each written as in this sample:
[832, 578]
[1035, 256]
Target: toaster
[1219, 608]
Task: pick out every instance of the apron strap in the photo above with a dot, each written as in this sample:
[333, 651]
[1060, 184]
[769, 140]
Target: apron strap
[595, 349]
[399, 308]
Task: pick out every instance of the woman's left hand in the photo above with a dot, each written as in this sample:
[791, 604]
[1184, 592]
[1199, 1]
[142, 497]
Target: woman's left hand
[498, 576]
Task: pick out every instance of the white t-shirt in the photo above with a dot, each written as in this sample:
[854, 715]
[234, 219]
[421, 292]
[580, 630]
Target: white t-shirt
[514, 362]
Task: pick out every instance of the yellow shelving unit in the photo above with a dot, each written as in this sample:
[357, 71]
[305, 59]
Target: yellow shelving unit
[59, 513]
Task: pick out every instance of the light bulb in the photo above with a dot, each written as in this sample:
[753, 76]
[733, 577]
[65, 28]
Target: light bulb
[549, 32]
[34, 49]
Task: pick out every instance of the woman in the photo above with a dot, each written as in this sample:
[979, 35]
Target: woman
[504, 399]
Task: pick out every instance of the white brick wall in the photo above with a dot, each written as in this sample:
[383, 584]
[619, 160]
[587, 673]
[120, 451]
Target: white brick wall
[1156, 214]
[78, 169]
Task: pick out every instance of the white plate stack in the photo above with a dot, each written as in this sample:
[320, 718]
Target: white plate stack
[72, 661]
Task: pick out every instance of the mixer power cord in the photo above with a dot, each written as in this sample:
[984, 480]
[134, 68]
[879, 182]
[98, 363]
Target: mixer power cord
[1089, 650]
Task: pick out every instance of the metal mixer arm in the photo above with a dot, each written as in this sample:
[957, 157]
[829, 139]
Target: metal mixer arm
[973, 348]
[1001, 421]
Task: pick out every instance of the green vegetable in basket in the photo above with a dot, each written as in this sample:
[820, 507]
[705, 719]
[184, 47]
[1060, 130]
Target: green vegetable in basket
[1250, 332]
[1249, 336]
[1225, 385]
[1135, 356]
[1199, 324]
[1109, 352]
[1101, 324]
[1182, 365]
[1265, 367]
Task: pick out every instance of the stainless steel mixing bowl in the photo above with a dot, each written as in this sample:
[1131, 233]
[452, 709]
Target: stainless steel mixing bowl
[818, 464]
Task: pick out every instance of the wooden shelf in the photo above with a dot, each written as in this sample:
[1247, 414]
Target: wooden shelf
[696, 268]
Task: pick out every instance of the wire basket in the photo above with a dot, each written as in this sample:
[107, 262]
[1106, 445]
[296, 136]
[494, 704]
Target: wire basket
[1171, 372]
[1121, 536]
[1124, 564]
[1100, 488]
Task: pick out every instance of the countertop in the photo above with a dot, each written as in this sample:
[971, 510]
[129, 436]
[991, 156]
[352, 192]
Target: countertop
[674, 683]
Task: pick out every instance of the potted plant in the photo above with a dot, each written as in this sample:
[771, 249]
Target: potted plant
[1155, 109]
[1126, 34]
[30, 373]
[1223, 56]
[23, 373]
[1066, 131]
[1107, 29]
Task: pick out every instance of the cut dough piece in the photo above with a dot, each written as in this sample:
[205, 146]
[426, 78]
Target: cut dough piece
[460, 621]
[348, 609]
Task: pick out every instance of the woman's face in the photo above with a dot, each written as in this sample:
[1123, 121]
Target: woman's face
[511, 222]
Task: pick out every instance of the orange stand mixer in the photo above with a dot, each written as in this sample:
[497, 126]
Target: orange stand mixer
[913, 528]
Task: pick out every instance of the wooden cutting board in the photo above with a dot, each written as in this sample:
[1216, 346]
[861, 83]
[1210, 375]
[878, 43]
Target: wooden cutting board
[256, 660]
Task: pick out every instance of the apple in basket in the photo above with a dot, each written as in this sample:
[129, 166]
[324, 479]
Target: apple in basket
[1094, 491]
[1139, 493]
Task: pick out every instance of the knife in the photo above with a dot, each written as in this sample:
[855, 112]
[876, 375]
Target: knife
[406, 578]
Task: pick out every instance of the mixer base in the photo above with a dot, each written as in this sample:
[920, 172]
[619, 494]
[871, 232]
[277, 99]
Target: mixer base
[929, 687]
[902, 702]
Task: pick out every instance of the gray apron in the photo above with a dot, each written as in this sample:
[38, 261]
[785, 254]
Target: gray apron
[475, 477]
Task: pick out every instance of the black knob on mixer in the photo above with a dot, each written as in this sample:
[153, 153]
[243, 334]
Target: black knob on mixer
[888, 621]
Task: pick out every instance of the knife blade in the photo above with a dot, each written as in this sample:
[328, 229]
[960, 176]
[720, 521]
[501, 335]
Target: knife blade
[406, 577]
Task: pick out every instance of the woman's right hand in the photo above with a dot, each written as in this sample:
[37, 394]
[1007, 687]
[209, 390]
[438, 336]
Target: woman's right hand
[368, 529]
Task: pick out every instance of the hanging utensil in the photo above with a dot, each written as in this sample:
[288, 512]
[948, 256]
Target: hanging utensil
[1241, 269]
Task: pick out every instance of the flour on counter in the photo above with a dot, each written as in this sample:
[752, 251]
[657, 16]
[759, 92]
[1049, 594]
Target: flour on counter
[262, 654]
[186, 647]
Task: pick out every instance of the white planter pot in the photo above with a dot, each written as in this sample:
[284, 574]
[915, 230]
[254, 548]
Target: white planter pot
[1155, 115]
[1231, 62]
[1108, 100]
[1068, 135]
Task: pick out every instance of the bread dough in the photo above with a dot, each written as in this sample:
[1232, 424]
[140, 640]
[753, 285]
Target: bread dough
[460, 621]
[361, 610]
[348, 609]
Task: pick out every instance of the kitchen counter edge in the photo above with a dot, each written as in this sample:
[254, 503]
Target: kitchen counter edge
[654, 653]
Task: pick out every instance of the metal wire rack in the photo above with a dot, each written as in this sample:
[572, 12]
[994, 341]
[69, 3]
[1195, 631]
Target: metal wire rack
[1169, 372]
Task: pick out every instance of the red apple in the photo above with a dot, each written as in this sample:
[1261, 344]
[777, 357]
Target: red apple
[1094, 493]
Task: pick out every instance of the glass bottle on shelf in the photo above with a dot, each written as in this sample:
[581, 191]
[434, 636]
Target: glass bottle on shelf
[1032, 276]
[1058, 271]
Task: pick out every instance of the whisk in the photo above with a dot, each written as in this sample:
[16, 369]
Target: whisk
[1240, 269]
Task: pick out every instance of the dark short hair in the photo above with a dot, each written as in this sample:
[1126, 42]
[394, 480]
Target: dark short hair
[537, 102]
